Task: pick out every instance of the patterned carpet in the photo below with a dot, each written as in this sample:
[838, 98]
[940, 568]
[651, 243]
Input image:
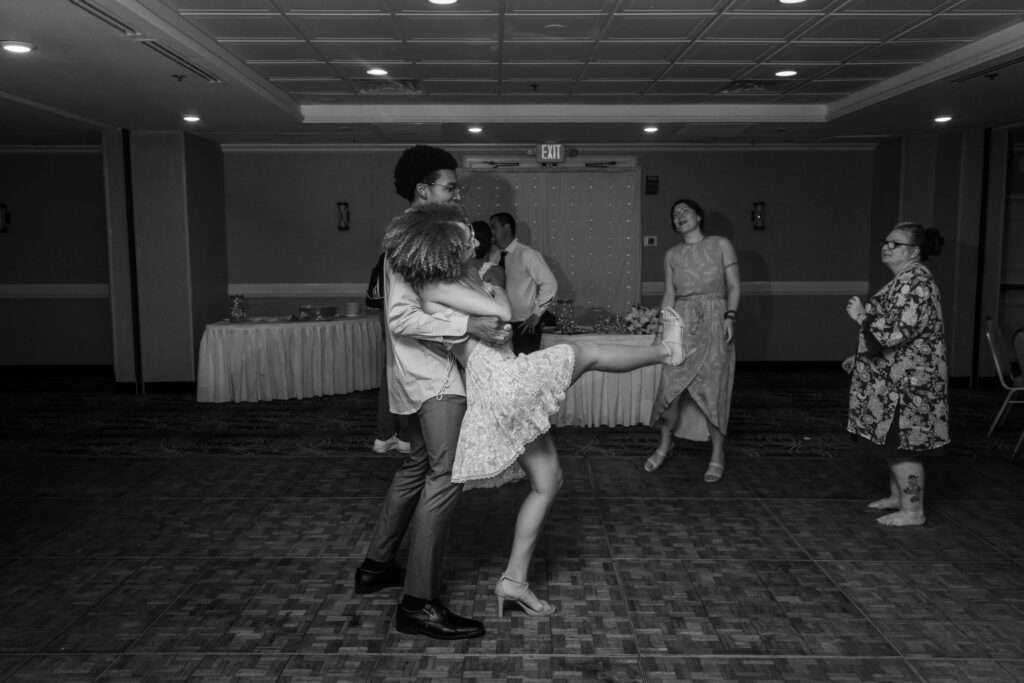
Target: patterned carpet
[156, 539]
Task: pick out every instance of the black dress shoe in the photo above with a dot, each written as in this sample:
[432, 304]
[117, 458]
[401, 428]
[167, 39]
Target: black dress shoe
[368, 581]
[434, 620]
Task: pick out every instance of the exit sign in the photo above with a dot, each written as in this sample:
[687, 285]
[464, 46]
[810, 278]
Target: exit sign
[548, 152]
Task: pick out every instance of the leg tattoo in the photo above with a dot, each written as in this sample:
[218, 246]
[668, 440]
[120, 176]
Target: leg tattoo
[913, 489]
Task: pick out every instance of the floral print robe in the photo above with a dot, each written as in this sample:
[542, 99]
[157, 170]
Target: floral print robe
[905, 317]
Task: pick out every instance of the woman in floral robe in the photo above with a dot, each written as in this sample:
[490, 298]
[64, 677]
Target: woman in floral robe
[899, 406]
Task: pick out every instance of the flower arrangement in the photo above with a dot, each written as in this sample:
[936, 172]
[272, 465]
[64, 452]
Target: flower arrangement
[642, 320]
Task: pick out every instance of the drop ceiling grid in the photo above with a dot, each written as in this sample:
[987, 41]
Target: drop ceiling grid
[488, 47]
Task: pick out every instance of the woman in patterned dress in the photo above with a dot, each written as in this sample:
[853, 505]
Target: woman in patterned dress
[702, 283]
[899, 405]
[509, 399]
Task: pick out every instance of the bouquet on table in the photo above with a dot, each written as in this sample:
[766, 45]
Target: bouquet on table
[642, 320]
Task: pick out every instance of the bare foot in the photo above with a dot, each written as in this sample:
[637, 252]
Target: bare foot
[902, 519]
[889, 503]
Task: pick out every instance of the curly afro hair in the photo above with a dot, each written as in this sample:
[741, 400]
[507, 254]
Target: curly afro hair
[428, 244]
[420, 164]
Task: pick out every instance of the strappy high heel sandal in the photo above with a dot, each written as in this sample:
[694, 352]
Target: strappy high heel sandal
[672, 336]
[546, 610]
[656, 459]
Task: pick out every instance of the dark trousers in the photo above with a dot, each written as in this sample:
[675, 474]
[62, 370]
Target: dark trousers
[525, 342]
[422, 493]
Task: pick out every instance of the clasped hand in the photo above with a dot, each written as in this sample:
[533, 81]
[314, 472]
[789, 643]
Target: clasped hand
[489, 329]
[855, 309]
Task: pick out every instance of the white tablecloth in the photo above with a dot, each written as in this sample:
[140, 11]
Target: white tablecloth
[605, 398]
[260, 361]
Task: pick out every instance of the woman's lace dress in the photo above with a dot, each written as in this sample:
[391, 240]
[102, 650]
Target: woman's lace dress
[509, 402]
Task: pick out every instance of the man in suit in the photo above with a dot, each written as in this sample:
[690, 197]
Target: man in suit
[530, 284]
[425, 383]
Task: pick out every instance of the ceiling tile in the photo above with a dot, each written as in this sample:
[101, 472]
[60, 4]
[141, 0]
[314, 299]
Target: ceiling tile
[819, 52]
[671, 5]
[727, 51]
[654, 26]
[276, 50]
[450, 26]
[441, 86]
[1012, 6]
[455, 70]
[624, 70]
[910, 51]
[755, 28]
[967, 27]
[553, 26]
[859, 27]
[877, 71]
[532, 71]
[327, 5]
[220, 5]
[646, 51]
[920, 6]
[546, 88]
[293, 69]
[563, 6]
[247, 26]
[622, 87]
[363, 52]
[687, 87]
[689, 70]
[835, 87]
[346, 26]
[452, 51]
[547, 52]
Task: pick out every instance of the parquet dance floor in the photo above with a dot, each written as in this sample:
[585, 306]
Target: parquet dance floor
[156, 539]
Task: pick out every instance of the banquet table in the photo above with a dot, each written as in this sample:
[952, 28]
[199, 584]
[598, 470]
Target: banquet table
[276, 358]
[606, 398]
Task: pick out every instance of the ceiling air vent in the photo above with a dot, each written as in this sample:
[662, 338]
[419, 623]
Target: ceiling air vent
[106, 17]
[751, 87]
[397, 86]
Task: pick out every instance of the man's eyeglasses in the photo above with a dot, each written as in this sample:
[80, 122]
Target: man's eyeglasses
[892, 244]
[453, 188]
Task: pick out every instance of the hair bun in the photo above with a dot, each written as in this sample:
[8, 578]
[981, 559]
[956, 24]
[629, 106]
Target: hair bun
[932, 242]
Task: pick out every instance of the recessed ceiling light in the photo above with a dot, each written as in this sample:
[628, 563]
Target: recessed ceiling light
[17, 47]
[785, 73]
[377, 72]
[443, 2]
[475, 129]
[191, 118]
[650, 129]
[554, 27]
[945, 118]
[790, 2]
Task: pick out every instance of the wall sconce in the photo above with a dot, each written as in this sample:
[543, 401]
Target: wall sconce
[343, 216]
[5, 218]
[757, 216]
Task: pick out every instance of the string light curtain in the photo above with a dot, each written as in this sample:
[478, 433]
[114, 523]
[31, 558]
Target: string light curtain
[586, 222]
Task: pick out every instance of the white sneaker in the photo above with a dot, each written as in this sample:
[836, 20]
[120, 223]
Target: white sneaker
[384, 446]
[401, 446]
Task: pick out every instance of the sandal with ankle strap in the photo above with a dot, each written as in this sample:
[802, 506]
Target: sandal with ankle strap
[546, 610]
[656, 459]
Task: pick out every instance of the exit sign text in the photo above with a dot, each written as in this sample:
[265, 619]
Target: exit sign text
[550, 151]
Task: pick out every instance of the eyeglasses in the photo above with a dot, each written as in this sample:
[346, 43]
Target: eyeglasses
[892, 244]
[453, 188]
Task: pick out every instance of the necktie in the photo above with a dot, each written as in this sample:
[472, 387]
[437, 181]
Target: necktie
[501, 261]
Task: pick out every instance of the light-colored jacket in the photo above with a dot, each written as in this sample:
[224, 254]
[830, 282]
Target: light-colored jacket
[420, 367]
[905, 317]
